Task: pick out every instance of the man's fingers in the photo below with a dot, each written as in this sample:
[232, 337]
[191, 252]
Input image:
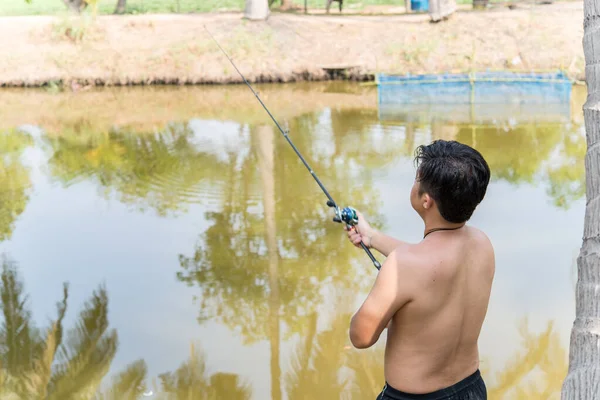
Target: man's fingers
[353, 236]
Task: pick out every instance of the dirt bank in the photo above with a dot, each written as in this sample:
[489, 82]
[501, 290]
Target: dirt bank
[176, 49]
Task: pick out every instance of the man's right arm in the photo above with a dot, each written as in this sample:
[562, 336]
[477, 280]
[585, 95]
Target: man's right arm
[372, 238]
[383, 243]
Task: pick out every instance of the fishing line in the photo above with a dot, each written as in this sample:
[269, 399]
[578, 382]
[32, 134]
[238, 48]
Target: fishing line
[347, 215]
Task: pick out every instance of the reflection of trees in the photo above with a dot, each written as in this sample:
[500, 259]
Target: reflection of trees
[567, 179]
[48, 363]
[126, 385]
[353, 128]
[51, 363]
[535, 372]
[166, 170]
[161, 171]
[516, 154]
[542, 356]
[320, 357]
[520, 154]
[231, 264]
[14, 180]
[191, 381]
[323, 363]
[250, 265]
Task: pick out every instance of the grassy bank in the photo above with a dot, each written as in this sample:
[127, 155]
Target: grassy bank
[56, 7]
[175, 49]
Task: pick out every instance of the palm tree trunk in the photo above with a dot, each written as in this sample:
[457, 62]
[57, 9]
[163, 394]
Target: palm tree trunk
[121, 7]
[267, 171]
[256, 9]
[582, 380]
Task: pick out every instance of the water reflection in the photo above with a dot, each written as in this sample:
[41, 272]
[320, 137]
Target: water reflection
[15, 183]
[239, 250]
[536, 371]
[51, 362]
[55, 363]
[159, 171]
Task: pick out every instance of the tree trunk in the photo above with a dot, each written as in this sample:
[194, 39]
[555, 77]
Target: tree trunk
[75, 5]
[583, 379]
[441, 9]
[256, 10]
[266, 151]
[121, 6]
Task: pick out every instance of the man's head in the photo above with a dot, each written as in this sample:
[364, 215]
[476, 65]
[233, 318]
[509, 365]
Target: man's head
[451, 177]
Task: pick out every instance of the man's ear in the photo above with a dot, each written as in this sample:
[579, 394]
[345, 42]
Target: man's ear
[427, 201]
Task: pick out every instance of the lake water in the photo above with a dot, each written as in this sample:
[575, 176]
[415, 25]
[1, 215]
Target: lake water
[202, 261]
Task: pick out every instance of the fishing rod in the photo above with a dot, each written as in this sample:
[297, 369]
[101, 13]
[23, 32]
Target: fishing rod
[347, 215]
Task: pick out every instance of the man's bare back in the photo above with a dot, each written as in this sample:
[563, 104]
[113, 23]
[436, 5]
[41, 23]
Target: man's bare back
[432, 340]
[432, 296]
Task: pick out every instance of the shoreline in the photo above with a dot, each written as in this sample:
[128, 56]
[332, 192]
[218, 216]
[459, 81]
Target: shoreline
[144, 109]
[174, 49]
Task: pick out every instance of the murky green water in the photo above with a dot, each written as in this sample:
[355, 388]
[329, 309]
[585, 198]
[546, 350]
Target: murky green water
[201, 259]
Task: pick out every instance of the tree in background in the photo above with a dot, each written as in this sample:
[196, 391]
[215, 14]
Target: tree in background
[582, 379]
[121, 7]
[256, 9]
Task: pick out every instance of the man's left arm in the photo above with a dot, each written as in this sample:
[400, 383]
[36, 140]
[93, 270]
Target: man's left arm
[392, 290]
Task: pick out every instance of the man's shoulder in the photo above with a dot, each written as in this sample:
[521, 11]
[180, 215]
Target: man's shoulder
[413, 253]
[409, 257]
[481, 238]
[477, 231]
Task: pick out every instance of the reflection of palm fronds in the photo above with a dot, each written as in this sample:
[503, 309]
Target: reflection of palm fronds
[542, 351]
[228, 386]
[19, 340]
[128, 384]
[88, 352]
[27, 357]
[35, 381]
[190, 381]
[299, 375]
[318, 359]
[367, 367]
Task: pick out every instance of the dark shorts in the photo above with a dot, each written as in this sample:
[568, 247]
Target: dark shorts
[470, 388]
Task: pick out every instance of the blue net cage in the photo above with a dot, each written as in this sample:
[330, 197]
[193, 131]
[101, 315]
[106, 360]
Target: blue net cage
[476, 97]
[477, 87]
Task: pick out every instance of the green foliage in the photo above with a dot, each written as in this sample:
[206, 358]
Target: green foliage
[15, 184]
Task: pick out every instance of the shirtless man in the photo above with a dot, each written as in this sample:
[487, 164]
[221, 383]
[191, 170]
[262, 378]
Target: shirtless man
[432, 296]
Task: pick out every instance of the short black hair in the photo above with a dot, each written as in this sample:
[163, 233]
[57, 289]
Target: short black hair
[455, 175]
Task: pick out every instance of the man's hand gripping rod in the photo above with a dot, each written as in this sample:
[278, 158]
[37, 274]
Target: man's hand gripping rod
[346, 215]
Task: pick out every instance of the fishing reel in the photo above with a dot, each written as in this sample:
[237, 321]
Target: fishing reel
[347, 215]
